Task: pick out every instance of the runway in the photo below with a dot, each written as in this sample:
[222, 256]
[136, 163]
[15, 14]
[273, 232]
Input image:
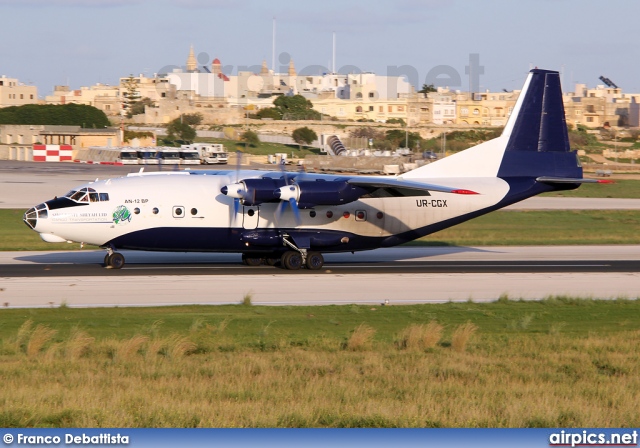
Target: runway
[398, 275]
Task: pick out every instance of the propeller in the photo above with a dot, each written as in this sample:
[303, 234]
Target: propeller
[235, 190]
[288, 195]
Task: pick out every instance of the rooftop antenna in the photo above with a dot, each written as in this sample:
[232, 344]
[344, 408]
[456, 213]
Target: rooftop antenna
[273, 47]
[333, 69]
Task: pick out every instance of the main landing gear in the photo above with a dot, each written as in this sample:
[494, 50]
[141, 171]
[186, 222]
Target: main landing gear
[293, 259]
[113, 260]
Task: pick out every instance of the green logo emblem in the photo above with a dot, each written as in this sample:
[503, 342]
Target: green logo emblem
[121, 215]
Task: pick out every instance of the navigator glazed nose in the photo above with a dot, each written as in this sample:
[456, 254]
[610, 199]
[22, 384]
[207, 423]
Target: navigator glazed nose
[32, 215]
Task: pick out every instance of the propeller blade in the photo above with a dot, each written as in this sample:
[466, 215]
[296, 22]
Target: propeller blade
[238, 164]
[236, 209]
[296, 210]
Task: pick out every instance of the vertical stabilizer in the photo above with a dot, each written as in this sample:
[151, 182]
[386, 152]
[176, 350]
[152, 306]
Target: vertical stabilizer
[534, 142]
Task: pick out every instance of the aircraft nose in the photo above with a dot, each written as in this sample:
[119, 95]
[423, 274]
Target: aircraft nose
[31, 216]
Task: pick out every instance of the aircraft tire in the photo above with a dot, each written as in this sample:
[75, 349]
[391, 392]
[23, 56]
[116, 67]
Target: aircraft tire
[106, 260]
[116, 261]
[292, 260]
[251, 260]
[315, 261]
[272, 260]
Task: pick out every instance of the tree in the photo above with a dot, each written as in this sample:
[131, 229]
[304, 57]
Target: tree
[367, 132]
[65, 114]
[269, 112]
[130, 94]
[304, 135]
[426, 88]
[138, 107]
[399, 138]
[251, 138]
[399, 121]
[296, 107]
[177, 130]
[192, 119]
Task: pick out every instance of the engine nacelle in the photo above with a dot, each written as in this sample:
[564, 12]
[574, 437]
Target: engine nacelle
[254, 191]
[309, 194]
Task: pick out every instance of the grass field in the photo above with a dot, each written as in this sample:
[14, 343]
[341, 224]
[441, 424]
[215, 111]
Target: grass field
[621, 188]
[498, 228]
[559, 362]
[262, 148]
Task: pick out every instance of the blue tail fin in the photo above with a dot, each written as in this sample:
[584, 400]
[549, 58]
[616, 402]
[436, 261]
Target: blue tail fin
[538, 142]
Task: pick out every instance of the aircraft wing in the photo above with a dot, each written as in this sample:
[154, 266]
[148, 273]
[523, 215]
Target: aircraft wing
[363, 181]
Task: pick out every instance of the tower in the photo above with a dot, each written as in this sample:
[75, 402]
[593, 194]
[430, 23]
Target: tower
[264, 70]
[192, 63]
[216, 68]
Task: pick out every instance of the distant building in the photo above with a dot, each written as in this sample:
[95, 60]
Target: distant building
[600, 107]
[102, 96]
[58, 135]
[15, 93]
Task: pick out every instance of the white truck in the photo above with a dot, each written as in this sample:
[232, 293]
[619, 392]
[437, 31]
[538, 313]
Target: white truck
[210, 153]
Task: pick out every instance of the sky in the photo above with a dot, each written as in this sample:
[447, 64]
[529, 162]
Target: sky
[84, 42]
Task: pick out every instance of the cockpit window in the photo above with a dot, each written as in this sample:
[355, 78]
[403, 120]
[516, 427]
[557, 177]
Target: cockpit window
[87, 195]
[78, 195]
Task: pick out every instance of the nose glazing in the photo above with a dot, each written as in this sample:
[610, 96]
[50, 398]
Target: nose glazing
[31, 216]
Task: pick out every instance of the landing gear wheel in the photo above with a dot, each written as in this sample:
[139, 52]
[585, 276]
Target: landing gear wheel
[292, 260]
[115, 261]
[315, 261]
[272, 260]
[251, 259]
[106, 260]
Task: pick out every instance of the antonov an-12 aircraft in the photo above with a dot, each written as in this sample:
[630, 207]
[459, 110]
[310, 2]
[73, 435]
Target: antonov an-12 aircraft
[292, 218]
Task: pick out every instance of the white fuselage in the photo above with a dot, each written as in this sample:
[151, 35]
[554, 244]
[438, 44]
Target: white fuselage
[179, 200]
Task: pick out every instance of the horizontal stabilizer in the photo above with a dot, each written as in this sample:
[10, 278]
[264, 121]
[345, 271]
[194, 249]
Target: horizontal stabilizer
[571, 180]
[398, 183]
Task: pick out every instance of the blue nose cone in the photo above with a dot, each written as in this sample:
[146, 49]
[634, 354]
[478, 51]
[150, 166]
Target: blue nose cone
[224, 190]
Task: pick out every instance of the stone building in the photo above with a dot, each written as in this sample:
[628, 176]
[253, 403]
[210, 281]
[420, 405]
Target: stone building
[15, 93]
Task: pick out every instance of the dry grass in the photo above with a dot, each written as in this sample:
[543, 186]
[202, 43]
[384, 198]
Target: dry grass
[461, 336]
[361, 338]
[179, 346]
[534, 381]
[204, 376]
[79, 344]
[40, 336]
[420, 336]
[130, 348]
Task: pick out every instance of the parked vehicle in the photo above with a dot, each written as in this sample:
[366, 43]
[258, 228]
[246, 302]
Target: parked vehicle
[168, 156]
[209, 153]
[430, 155]
[147, 156]
[128, 156]
[189, 157]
